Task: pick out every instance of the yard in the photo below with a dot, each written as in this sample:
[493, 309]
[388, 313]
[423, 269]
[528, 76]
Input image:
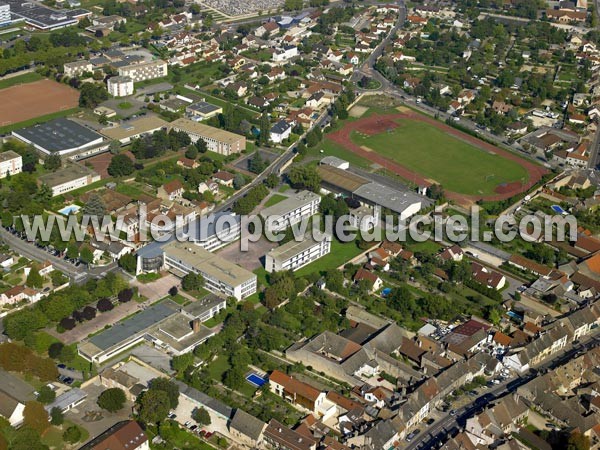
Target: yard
[274, 199]
[340, 254]
[455, 164]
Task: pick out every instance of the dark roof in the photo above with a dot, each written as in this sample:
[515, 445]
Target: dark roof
[205, 400]
[280, 127]
[122, 436]
[58, 135]
[247, 425]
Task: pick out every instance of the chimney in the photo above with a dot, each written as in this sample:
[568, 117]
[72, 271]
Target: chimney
[196, 325]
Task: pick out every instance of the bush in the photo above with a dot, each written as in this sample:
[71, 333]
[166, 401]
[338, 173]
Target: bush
[89, 312]
[55, 349]
[72, 434]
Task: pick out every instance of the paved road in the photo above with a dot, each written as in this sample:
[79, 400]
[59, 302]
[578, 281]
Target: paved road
[29, 250]
[438, 432]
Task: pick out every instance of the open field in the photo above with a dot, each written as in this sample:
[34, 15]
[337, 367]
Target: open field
[27, 101]
[424, 151]
[441, 158]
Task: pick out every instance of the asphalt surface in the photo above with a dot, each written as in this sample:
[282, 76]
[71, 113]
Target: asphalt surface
[29, 250]
[434, 436]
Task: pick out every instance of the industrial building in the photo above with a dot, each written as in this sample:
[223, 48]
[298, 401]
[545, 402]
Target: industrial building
[60, 136]
[133, 129]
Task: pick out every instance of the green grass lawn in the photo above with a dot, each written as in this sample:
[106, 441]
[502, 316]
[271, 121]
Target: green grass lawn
[125, 105]
[456, 165]
[340, 254]
[21, 79]
[130, 190]
[274, 199]
[41, 119]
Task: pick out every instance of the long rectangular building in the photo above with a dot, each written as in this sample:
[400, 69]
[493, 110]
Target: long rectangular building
[293, 255]
[291, 210]
[219, 141]
[220, 276]
[145, 70]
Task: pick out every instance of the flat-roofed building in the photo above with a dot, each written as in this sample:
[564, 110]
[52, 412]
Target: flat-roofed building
[77, 68]
[120, 86]
[291, 210]
[205, 308]
[69, 178]
[145, 70]
[219, 141]
[161, 324]
[220, 275]
[60, 136]
[294, 255]
[45, 18]
[133, 129]
[4, 14]
[11, 163]
[203, 110]
[215, 231]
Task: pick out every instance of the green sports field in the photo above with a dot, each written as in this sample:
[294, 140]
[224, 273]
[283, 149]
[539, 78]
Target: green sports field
[457, 165]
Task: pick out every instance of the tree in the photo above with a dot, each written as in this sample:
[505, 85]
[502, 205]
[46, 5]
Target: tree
[95, 206]
[85, 255]
[56, 416]
[104, 305]
[34, 279]
[201, 146]
[578, 441]
[154, 406]
[272, 181]
[128, 262]
[26, 438]
[239, 181]
[121, 166]
[35, 416]
[201, 416]
[54, 349]
[89, 312]
[173, 291]
[125, 295]
[182, 362]
[112, 399]
[92, 94]
[46, 395]
[72, 251]
[52, 162]
[67, 354]
[114, 147]
[192, 282]
[72, 434]
[305, 177]
[67, 323]
[167, 386]
[191, 152]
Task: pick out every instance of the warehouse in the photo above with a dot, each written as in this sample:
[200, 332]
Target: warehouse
[133, 129]
[60, 136]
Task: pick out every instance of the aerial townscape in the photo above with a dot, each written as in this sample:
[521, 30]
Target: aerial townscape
[168, 279]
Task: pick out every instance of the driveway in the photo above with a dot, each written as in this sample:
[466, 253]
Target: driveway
[78, 414]
[157, 289]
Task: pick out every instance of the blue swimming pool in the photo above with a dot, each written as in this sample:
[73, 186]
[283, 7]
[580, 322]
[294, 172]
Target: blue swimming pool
[558, 209]
[255, 380]
[386, 291]
[70, 209]
[515, 316]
